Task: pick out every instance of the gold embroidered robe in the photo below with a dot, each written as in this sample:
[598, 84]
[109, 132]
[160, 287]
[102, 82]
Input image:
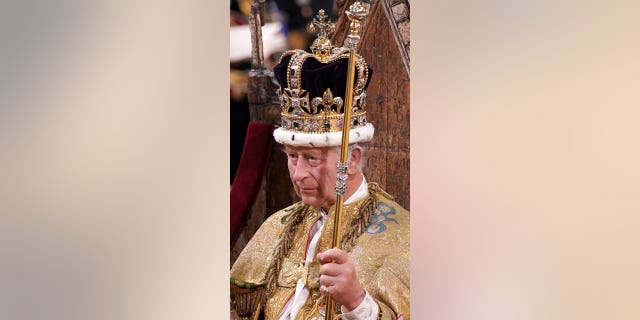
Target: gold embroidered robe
[375, 235]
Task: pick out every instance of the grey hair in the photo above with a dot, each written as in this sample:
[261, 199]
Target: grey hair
[360, 146]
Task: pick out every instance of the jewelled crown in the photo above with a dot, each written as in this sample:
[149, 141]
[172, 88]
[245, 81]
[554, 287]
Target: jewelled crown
[312, 93]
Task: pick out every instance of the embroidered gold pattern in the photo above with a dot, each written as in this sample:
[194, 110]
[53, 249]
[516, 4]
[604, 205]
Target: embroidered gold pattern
[377, 258]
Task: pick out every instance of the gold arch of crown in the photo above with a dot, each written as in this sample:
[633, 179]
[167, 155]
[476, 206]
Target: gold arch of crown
[299, 113]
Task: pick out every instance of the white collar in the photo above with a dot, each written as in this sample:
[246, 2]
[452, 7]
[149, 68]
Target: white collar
[363, 191]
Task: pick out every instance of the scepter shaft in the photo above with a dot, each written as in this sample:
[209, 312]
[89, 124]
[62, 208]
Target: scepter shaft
[344, 154]
[344, 147]
[342, 165]
[356, 13]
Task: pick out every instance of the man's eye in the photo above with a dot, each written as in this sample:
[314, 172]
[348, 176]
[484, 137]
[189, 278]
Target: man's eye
[314, 161]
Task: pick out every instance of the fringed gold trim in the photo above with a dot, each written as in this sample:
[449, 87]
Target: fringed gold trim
[361, 219]
[375, 188]
[379, 313]
[257, 313]
[283, 247]
[247, 303]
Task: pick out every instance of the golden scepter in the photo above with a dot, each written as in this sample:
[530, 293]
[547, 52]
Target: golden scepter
[356, 13]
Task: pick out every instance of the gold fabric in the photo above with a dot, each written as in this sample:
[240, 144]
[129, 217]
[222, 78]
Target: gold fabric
[379, 248]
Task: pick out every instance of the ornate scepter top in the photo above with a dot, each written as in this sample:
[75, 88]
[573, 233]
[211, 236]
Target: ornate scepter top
[356, 13]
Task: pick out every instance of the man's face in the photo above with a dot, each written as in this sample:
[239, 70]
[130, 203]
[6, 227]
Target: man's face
[313, 174]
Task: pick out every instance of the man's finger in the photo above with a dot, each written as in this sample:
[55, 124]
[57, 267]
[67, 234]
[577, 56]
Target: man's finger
[331, 269]
[328, 281]
[332, 255]
[325, 290]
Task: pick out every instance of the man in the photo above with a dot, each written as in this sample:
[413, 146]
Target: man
[289, 269]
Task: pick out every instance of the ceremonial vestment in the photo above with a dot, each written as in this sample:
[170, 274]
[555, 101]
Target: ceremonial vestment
[375, 234]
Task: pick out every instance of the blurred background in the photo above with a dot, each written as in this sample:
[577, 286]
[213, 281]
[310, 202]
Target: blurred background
[108, 158]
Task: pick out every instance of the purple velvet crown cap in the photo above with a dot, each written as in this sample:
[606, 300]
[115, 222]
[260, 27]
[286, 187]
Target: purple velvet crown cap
[317, 76]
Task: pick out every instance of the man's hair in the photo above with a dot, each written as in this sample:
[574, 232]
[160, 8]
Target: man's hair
[362, 148]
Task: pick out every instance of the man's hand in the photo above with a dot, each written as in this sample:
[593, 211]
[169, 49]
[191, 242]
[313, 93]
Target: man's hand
[338, 276]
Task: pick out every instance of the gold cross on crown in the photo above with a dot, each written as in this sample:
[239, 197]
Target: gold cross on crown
[320, 25]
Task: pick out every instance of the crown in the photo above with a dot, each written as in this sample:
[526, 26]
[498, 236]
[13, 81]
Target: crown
[312, 92]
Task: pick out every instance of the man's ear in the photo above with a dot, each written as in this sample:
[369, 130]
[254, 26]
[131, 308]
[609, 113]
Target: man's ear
[354, 162]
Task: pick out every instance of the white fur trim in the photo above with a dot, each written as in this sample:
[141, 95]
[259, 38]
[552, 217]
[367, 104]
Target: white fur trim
[329, 139]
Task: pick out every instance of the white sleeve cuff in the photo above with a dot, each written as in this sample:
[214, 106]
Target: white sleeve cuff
[366, 310]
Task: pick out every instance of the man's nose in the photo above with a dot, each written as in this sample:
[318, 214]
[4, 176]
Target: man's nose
[301, 169]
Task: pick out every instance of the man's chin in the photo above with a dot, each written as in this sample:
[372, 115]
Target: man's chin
[316, 203]
[311, 201]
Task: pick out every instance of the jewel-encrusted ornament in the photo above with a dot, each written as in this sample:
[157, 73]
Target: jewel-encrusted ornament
[326, 125]
[311, 125]
[312, 92]
[285, 123]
